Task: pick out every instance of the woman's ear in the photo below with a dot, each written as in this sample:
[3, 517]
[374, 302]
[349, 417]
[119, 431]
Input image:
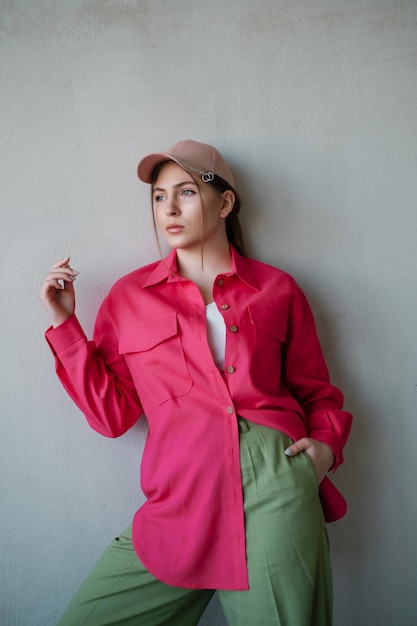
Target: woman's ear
[228, 203]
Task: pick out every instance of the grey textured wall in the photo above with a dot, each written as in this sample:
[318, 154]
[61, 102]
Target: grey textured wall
[314, 103]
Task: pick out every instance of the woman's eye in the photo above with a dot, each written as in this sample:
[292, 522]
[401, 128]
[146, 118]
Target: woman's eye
[158, 198]
[188, 192]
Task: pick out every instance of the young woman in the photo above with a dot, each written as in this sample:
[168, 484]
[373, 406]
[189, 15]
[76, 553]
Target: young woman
[221, 354]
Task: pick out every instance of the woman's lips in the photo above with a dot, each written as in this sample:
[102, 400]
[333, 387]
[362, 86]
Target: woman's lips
[175, 228]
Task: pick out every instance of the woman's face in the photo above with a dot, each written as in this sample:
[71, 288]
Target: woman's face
[178, 207]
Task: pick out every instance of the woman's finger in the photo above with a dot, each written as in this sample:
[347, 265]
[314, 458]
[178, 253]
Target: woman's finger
[298, 446]
[52, 283]
[63, 265]
[62, 271]
[61, 262]
[69, 275]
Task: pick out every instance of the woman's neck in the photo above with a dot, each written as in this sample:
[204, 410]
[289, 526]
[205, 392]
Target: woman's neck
[202, 267]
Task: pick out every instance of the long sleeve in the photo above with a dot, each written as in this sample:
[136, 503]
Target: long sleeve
[95, 375]
[306, 376]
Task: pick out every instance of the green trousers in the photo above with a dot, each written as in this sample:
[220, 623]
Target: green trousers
[287, 556]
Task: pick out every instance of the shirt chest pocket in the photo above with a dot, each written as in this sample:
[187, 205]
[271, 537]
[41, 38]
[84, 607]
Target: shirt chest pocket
[155, 357]
[269, 337]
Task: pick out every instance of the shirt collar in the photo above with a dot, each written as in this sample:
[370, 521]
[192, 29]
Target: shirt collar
[167, 269]
[242, 267]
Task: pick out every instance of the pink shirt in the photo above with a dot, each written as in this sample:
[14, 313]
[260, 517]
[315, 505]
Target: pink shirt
[150, 354]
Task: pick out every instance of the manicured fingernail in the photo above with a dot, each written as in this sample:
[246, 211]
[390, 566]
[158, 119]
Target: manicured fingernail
[288, 452]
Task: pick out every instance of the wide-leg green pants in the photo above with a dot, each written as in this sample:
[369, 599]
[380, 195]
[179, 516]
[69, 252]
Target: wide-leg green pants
[287, 556]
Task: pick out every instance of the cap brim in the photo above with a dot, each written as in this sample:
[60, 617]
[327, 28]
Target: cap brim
[148, 164]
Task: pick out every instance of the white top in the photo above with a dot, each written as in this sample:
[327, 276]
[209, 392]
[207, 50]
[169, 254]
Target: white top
[216, 334]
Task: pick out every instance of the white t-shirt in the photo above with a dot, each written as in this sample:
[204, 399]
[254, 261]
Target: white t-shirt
[216, 334]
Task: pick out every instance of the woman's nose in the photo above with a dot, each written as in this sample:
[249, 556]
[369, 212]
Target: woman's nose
[171, 206]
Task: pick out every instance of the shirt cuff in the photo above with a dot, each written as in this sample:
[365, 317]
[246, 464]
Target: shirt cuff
[65, 335]
[331, 426]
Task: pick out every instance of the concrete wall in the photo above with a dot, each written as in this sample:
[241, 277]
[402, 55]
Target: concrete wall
[314, 103]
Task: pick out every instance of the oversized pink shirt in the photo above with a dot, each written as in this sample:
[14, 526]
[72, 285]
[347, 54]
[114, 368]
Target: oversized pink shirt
[150, 355]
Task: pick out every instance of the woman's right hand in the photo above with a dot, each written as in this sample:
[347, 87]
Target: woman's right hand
[59, 299]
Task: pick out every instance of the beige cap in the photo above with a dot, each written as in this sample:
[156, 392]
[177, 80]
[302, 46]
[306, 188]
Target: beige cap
[192, 156]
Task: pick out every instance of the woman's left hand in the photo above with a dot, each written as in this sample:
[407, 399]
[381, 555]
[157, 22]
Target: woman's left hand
[321, 454]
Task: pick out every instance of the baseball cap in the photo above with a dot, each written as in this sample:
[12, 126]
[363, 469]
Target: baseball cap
[194, 157]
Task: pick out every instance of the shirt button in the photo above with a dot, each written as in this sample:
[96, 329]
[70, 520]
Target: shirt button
[224, 306]
[230, 410]
[220, 282]
[233, 329]
[230, 369]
